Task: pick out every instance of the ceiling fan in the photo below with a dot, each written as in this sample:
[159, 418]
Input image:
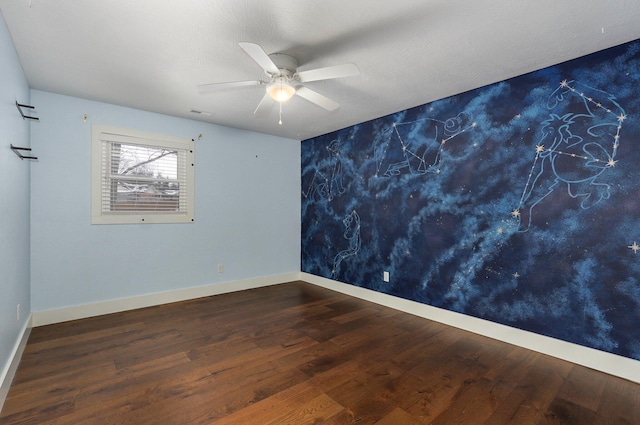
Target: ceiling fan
[285, 81]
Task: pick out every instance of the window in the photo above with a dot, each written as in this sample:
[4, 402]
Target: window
[139, 177]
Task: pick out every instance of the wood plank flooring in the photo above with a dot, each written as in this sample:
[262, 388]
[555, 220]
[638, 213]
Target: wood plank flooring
[297, 354]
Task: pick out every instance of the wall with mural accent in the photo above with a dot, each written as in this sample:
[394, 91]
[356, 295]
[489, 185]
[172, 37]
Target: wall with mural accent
[518, 202]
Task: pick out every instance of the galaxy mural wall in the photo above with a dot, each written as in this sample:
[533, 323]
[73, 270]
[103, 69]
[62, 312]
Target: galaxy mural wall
[518, 202]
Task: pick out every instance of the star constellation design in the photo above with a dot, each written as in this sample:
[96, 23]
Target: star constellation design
[574, 150]
[327, 181]
[352, 234]
[421, 151]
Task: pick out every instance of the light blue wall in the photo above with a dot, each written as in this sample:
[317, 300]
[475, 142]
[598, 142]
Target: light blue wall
[247, 210]
[14, 201]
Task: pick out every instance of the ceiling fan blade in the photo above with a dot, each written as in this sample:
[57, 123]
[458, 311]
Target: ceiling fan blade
[264, 107]
[336, 71]
[260, 57]
[229, 85]
[317, 98]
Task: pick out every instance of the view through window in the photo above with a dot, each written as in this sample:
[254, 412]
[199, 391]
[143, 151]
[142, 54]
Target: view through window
[143, 178]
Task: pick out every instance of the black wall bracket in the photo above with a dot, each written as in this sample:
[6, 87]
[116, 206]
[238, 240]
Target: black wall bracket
[17, 150]
[24, 117]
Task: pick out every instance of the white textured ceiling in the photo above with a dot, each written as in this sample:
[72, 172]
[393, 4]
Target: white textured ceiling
[151, 54]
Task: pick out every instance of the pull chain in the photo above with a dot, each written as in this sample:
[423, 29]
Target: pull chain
[280, 122]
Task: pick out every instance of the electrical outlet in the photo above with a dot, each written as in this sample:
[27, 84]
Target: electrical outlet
[385, 276]
[18, 313]
[220, 268]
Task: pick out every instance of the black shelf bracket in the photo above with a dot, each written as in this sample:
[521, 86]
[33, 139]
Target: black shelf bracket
[25, 117]
[17, 150]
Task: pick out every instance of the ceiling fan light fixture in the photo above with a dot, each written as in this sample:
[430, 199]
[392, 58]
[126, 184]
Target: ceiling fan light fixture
[280, 90]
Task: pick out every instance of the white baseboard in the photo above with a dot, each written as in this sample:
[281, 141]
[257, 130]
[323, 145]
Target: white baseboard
[612, 364]
[47, 317]
[9, 372]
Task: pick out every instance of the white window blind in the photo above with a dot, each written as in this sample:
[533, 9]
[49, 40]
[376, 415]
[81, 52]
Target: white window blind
[143, 178]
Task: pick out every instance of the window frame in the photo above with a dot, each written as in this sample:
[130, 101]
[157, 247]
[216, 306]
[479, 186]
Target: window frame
[98, 216]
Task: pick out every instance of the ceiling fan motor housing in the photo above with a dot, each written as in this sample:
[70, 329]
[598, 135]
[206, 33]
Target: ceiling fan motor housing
[285, 63]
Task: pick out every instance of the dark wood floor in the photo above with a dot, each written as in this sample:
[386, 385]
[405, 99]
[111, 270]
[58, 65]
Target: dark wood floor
[297, 354]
